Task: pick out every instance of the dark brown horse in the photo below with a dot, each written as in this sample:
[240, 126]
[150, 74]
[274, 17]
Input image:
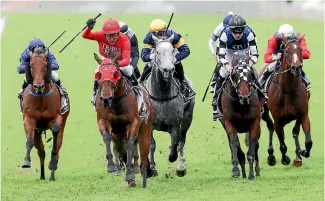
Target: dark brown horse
[42, 111]
[240, 107]
[119, 120]
[288, 101]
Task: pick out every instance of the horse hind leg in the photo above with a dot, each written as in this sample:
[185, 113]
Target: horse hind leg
[152, 156]
[254, 135]
[242, 161]
[136, 167]
[144, 143]
[257, 161]
[29, 126]
[295, 134]
[270, 126]
[38, 143]
[308, 141]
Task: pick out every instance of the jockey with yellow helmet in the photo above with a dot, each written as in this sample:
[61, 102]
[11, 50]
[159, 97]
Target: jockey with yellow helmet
[158, 28]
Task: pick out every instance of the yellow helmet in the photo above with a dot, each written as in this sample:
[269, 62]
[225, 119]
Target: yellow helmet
[158, 25]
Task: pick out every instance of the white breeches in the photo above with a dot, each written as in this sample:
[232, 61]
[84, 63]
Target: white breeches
[271, 66]
[55, 76]
[229, 54]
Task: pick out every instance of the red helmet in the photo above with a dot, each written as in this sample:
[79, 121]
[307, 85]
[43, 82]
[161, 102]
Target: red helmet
[111, 26]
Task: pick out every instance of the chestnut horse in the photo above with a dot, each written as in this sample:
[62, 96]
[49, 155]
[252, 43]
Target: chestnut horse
[288, 101]
[240, 106]
[42, 110]
[119, 119]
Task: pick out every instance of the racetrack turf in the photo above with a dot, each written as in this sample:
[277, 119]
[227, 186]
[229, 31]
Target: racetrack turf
[81, 173]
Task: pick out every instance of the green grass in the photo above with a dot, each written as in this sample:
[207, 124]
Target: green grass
[81, 173]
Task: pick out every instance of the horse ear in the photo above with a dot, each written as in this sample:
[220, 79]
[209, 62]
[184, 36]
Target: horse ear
[155, 39]
[171, 38]
[302, 37]
[30, 53]
[99, 61]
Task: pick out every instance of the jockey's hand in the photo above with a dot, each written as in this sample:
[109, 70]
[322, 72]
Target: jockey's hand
[276, 57]
[215, 56]
[229, 68]
[91, 23]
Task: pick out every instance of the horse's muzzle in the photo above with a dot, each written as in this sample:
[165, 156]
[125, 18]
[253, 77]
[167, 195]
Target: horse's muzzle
[244, 100]
[296, 70]
[39, 88]
[107, 100]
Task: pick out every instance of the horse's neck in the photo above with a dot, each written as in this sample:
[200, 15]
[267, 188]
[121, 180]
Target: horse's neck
[230, 89]
[287, 81]
[161, 87]
[122, 87]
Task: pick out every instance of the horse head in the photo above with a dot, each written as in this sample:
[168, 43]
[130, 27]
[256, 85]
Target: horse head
[292, 59]
[38, 70]
[108, 76]
[164, 56]
[242, 76]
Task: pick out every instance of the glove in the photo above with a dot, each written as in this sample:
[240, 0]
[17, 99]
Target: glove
[152, 56]
[91, 23]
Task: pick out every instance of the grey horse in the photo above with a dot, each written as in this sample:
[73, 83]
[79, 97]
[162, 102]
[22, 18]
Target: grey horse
[172, 114]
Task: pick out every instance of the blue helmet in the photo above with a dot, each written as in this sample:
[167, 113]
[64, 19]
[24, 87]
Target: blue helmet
[34, 43]
[227, 18]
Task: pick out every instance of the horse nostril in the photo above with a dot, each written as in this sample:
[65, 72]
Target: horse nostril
[165, 69]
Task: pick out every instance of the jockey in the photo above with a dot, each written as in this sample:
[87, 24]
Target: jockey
[110, 38]
[25, 59]
[124, 28]
[215, 36]
[158, 28]
[237, 36]
[273, 53]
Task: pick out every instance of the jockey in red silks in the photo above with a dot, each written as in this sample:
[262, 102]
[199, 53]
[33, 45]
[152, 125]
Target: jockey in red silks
[273, 53]
[110, 40]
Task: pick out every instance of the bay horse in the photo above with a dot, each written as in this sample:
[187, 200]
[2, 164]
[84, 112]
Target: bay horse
[41, 108]
[288, 101]
[240, 107]
[119, 120]
[173, 114]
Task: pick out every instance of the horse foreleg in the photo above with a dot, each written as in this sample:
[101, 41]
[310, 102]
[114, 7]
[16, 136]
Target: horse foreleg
[270, 126]
[234, 144]
[152, 155]
[295, 134]
[55, 127]
[285, 160]
[175, 138]
[29, 126]
[254, 134]
[308, 141]
[136, 167]
[181, 167]
[38, 143]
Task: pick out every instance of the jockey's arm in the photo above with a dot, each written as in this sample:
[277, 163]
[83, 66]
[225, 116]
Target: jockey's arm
[52, 60]
[216, 33]
[146, 50]
[253, 46]
[88, 34]
[126, 53]
[222, 48]
[134, 51]
[182, 48]
[271, 47]
[24, 60]
[305, 51]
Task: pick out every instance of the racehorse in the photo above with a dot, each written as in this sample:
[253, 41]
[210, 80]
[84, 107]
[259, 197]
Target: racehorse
[119, 120]
[172, 113]
[240, 106]
[288, 101]
[41, 108]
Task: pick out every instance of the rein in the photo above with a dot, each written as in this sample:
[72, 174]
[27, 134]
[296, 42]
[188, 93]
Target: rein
[41, 95]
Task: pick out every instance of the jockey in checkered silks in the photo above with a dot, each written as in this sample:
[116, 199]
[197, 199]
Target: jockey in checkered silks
[236, 37]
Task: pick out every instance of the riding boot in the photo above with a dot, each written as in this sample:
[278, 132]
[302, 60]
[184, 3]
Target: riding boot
[133, 80]
[61, 86]
[23, 87]
[216, 114]
[181, 77]
[264, 76]
[306, 80]
[214, 79]
[93, 101]
[261, 92]
[136, 72]
[145, 73]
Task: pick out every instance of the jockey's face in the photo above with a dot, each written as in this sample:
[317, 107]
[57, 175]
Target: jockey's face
[112, 38]
[237, 35]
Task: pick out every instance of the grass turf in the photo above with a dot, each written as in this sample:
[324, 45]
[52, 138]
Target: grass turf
[81, 173]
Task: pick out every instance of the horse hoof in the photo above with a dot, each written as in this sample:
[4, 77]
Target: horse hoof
[153, 172]
[26, 164]
[112, 168]
[132, 183]
[271, 160]
[116, 173]
[181, 173]
[172, 158]
[251, 177]
[42, 178]
[297, 163]
[285, 161]
[52, 178]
